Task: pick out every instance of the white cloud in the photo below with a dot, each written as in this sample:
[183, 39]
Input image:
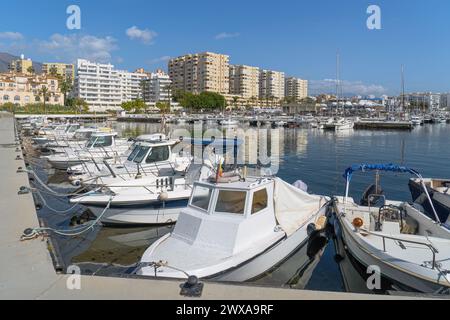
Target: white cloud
[11, 35]
[348, 87]
[160, 59]
[226, 35]
[145, 36]
[75, 46]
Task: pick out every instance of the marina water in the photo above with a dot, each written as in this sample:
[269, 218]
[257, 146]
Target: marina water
[316, 157]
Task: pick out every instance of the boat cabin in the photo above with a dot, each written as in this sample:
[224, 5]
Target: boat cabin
[101, 140]
[229, 217]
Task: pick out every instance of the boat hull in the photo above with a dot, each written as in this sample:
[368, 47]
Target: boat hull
[387, 270]
[272, 257]
[138, 215]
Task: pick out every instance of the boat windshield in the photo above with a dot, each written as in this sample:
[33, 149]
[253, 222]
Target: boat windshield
[231, 202]
[82, 135]
[158, 154]
[99, 142]
[138, 154]
[72, 128]
[201, 197]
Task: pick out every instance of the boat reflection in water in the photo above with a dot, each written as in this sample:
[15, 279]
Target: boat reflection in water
[296, 271]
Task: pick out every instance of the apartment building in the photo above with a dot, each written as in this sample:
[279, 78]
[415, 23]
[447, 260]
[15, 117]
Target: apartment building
[244, 81]
[271, 84]
[22, 89]
[21, 65]
[63, 70]
[131, 84]
[157, 87]
[105, 88]
[296, 88]
[423, 100]
[200, 72]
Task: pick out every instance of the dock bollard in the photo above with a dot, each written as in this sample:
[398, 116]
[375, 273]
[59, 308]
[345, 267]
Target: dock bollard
[192, 287]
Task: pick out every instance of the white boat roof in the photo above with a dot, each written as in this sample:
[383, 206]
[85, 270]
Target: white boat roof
[104, 134]
[247, 184]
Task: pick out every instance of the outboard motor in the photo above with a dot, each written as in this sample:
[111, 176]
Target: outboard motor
[371, 196]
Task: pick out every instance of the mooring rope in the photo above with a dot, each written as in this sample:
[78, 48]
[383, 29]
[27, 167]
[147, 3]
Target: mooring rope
[36, 232]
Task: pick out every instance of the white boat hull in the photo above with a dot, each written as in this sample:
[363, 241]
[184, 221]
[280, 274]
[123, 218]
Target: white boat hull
[387, 264]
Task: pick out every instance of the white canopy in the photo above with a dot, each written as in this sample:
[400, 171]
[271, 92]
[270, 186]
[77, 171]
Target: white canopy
[293, 207]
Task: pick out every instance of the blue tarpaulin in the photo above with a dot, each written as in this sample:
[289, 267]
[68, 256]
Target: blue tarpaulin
[381, 167]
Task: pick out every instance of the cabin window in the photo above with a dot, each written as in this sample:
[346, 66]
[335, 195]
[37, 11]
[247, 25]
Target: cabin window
[259, 201]
[158, 154]
[138, 154]
[201, 197]
[231, 201]
[97, 142]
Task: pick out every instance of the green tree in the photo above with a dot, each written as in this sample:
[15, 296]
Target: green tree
[65, 87]
[163, 106]
[45, 93]
[53, 71]
[80, 105]
[30, 69]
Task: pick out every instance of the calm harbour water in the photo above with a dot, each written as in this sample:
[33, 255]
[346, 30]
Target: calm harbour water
[316, 157]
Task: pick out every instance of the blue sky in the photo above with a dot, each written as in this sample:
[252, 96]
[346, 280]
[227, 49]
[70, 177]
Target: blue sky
[298, 37]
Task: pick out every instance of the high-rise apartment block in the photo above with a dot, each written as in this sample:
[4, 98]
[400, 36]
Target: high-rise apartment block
[296, 88]
[271, 84]
[244, 81]
[200, 72]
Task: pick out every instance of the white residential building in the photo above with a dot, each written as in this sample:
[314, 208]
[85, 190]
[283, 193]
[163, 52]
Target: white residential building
[157, 87]
[296, 88]
[131, 85]
[271, 84]
[105, 88]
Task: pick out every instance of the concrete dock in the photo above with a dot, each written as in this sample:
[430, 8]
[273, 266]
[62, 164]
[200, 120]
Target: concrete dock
[27, 270]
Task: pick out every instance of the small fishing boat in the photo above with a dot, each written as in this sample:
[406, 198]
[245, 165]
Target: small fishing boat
[235, 228]
[439, 192]
[394, 236]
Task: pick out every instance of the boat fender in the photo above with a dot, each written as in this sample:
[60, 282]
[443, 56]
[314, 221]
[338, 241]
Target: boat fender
[163, 196]
[311, 229]
[76, 183]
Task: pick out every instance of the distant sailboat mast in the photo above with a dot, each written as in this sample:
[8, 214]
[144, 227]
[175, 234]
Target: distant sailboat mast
[337, 83]
[403, 89]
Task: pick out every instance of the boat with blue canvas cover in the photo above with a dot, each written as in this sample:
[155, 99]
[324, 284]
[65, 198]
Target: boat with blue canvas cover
[410, 249]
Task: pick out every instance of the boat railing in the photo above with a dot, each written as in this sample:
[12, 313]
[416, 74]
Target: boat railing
[400, 241]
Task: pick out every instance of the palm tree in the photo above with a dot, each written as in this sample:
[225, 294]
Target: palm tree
[80, 105]
[235, 100]
[44, 92]
[65, 88]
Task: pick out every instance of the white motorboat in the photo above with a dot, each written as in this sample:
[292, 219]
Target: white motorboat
[77, 141]
[101, 146]
[229, 122]
[338, 124]
[55, 132]
[403, 242]
[439, 192]
[416, 120]
[280, 123]
[235, 229]
[150, 156]
[151, 200]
